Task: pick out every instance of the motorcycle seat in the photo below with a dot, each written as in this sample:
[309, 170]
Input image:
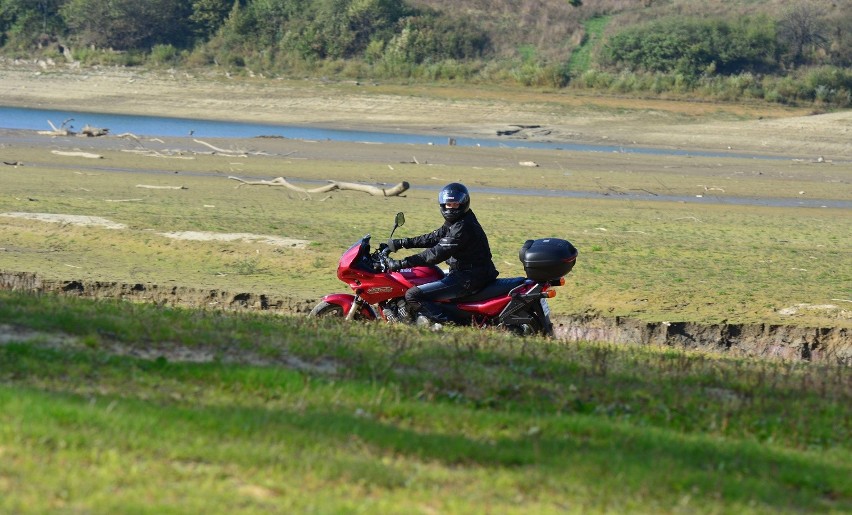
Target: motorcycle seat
[494, 289]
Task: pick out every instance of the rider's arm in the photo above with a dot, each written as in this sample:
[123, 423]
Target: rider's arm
[423, 241]
[449, 241]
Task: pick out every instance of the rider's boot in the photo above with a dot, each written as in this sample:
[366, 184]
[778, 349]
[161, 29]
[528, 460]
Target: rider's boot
[426, 322]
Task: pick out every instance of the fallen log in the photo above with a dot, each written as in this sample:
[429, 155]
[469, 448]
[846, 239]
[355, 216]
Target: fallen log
[331, 186]
[152, 187]
[58, 131]
[77, 154]
[221, 151]
[154, 153]
[93, 132]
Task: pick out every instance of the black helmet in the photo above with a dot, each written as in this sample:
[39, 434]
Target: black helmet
[454, 200]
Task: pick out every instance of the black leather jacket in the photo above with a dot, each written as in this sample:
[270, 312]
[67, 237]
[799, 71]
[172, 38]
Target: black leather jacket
[462, 244]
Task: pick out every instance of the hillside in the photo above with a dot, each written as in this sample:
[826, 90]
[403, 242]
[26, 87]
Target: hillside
[771, 50]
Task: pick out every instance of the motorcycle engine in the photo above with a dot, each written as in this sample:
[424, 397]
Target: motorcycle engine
[398, 312]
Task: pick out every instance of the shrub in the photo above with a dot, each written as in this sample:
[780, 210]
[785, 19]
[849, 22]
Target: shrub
[693, 47]
[163, 55]
[829, 77]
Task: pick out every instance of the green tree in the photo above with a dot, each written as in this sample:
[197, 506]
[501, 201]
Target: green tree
[208, 16]
[128, 24]
[27, 24]
[344, 28]
[431, 37]
[695, 46]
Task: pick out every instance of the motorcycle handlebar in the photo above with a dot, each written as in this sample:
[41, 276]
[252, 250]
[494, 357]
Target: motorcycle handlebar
[382, 258]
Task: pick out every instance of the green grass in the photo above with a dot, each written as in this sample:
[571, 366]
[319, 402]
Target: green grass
[581, 58]
[342, 417]
[652, 260]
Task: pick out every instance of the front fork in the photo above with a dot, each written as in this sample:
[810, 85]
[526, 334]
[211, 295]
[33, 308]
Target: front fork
[357, 303]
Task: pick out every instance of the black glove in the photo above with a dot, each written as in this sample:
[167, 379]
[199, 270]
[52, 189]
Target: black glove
[394, 245]
[394, 265]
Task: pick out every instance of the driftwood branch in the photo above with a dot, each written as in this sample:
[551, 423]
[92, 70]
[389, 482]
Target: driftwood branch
[62, 130]
[154, 153]
[152, 187]
[331, 186]
[58, 131]
[88, 155]
[221, 151]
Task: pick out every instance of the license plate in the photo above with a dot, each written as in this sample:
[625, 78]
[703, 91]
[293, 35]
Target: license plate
[545, 307]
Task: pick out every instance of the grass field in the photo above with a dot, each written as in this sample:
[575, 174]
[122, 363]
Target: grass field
[118, 407]
[109, 406]
[653, 260]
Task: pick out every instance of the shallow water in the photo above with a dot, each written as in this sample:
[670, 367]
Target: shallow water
[37, 119]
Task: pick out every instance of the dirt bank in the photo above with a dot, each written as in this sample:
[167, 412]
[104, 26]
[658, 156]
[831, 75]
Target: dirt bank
[817, 344]
[567, 116]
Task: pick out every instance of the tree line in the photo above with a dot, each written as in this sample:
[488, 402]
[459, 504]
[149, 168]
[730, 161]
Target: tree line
[801, 54]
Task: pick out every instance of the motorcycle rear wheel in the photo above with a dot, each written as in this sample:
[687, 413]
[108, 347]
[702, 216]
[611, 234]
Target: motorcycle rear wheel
[534, 328]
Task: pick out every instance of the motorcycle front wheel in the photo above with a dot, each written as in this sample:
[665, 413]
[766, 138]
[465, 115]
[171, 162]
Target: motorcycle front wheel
[326, 309]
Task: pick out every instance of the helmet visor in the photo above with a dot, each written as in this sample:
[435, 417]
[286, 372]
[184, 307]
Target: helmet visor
[451, 205]
[446, 197]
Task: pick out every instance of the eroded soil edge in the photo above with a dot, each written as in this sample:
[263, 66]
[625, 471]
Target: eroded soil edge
[817, 344]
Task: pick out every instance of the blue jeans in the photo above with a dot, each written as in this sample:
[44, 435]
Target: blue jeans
[424, 298]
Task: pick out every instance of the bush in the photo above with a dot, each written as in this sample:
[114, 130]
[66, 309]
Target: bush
[164, 55]
[830, 77]
[595, 79]
[556, 75]
[693, 47]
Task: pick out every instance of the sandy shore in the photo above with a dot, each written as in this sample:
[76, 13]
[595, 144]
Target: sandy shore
[563, 116]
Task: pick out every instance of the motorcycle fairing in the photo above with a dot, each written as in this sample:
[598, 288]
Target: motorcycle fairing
[354, 264]
[420, 275]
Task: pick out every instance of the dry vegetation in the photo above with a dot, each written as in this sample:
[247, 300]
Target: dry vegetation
[551, 26]
[555, 28]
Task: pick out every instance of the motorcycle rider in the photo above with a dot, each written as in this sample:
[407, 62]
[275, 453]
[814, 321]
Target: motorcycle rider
[461, 242]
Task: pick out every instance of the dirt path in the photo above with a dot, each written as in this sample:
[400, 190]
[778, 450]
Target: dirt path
[568, 116]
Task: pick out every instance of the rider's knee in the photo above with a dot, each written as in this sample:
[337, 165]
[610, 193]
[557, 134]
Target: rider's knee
[414, 294]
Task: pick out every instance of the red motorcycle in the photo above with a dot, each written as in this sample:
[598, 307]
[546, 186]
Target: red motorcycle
[518, 304]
